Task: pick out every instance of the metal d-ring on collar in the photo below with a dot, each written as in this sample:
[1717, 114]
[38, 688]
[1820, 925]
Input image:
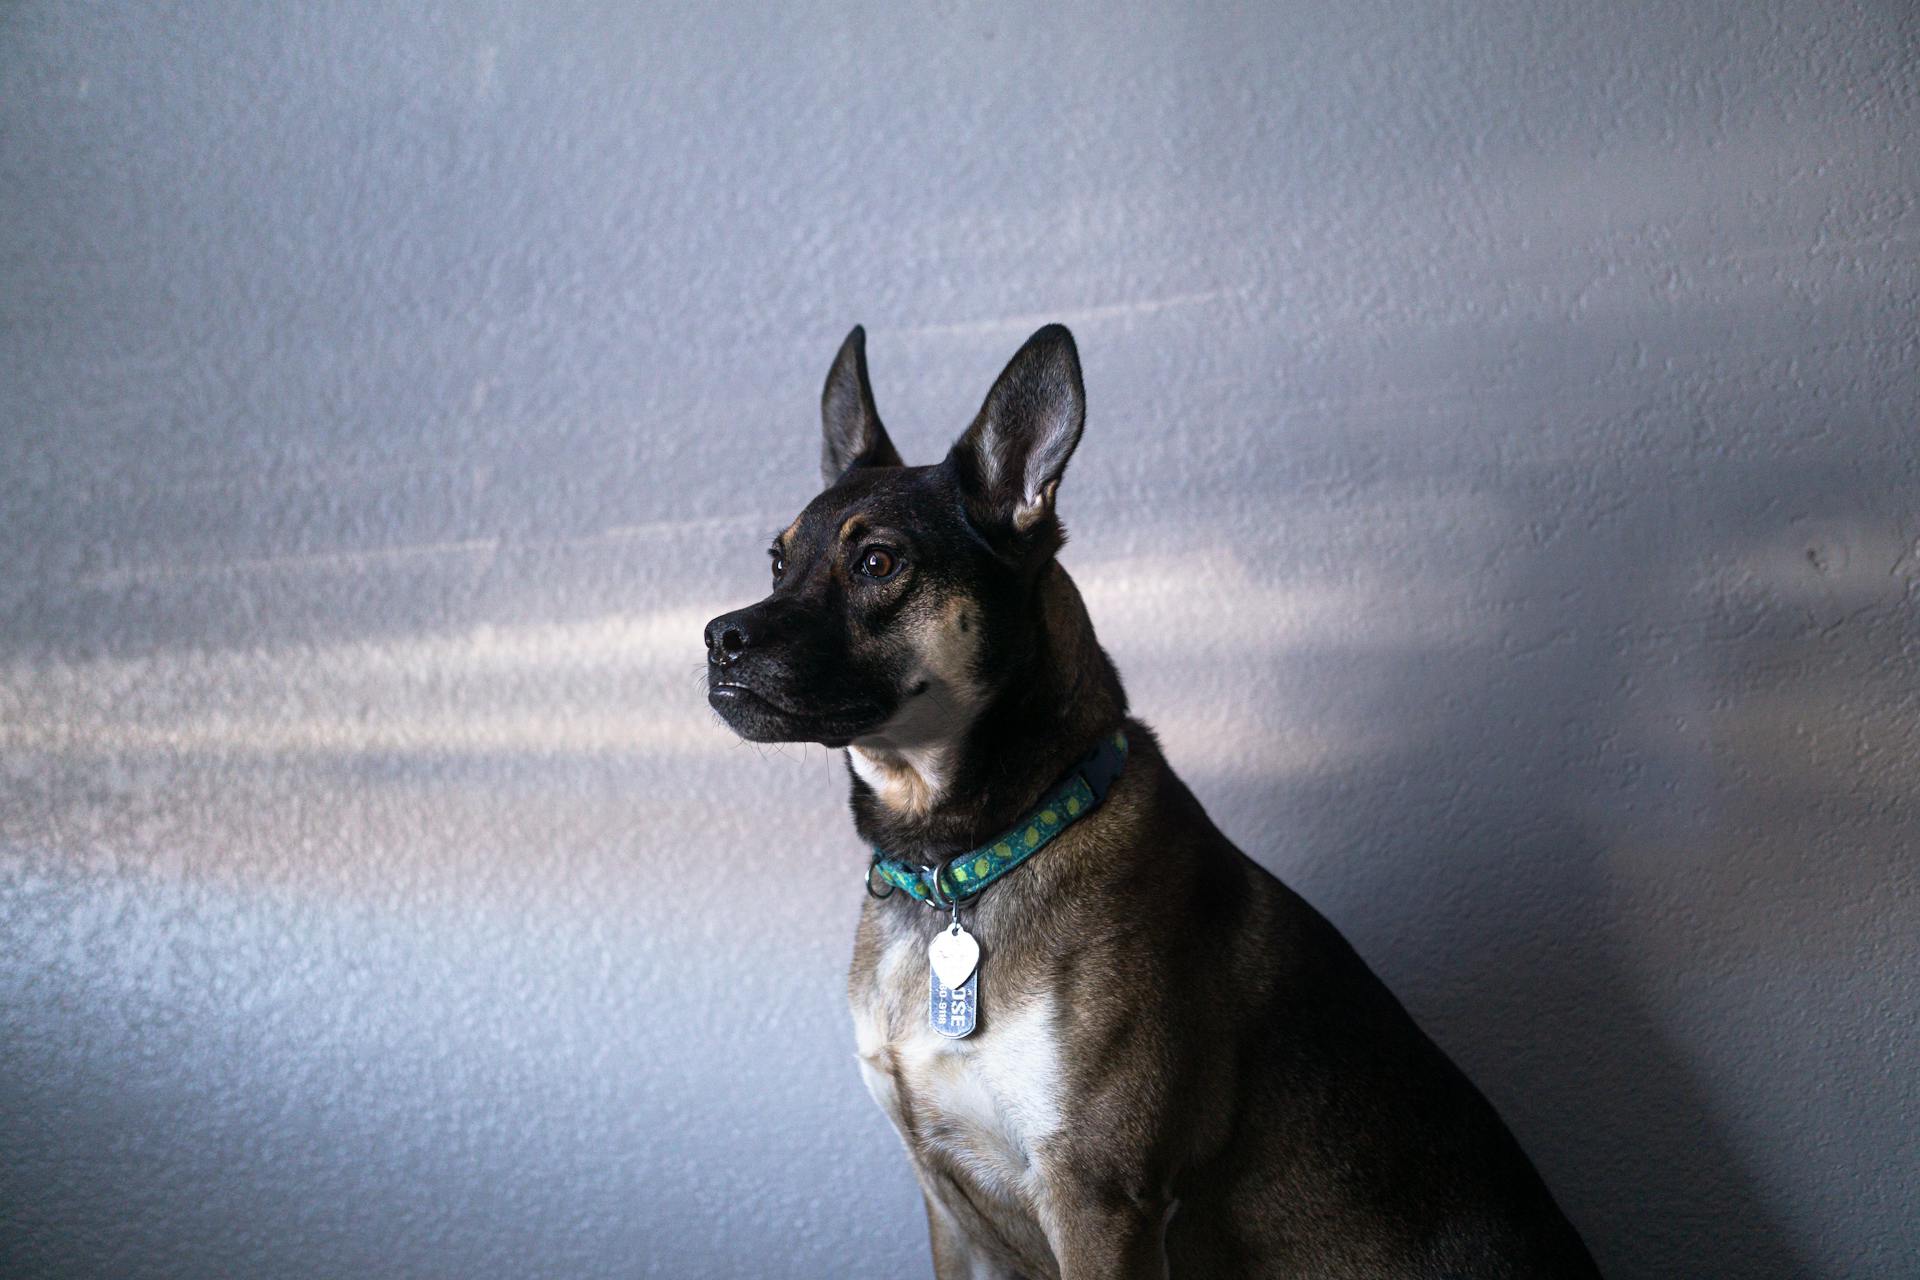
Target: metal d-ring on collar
[936, 899]
[931, 878]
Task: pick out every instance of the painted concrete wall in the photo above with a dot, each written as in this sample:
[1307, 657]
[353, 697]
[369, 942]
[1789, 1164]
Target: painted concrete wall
[1501, 489]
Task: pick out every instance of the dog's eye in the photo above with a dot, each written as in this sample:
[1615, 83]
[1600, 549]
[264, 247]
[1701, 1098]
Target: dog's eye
[878, 562]
[779, 565]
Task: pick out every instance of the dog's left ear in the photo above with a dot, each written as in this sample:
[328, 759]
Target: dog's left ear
[850, 431]
[1011, 459]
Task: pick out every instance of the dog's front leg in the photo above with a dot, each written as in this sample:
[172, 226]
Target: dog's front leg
[955, 1256]
[1097, 1237]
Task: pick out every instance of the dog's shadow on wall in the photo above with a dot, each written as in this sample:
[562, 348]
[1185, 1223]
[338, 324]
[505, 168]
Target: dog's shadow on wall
[1536, 998]
[1553, 1023]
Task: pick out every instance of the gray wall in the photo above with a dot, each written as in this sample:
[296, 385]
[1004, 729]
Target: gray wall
[1500, 489]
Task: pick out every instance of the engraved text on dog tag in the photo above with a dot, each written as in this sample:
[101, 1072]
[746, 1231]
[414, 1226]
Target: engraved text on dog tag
[952, 1010]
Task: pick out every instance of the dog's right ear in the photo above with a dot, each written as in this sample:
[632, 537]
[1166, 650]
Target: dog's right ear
[851, 434]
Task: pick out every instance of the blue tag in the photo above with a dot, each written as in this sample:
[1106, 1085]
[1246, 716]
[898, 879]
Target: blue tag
[952, 1010]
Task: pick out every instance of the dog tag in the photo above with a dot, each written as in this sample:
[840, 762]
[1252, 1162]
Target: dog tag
[952, 1010]
[954, 956]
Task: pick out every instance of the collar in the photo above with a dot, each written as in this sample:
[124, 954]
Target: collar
[966, 875]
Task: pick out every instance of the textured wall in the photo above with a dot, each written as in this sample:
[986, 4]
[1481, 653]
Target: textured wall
[1500, 487]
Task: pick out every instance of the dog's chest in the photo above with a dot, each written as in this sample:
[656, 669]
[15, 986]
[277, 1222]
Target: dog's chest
[982, 1107]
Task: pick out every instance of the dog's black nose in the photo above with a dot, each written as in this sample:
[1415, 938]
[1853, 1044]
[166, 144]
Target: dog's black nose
[726, 637]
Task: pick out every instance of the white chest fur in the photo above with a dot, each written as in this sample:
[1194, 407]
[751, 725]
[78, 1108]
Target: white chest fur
[987, 1103]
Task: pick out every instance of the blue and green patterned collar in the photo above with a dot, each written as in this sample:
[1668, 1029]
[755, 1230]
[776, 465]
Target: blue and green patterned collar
[966, 875]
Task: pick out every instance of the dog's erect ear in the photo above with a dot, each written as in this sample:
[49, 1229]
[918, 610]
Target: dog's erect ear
[1011, 458]
[851, 434]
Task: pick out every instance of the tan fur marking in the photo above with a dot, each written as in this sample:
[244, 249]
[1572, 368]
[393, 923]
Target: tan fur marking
[899, 785]
[907, 759]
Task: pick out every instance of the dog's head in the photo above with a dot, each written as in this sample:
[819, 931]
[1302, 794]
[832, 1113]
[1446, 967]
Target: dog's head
[900, 592]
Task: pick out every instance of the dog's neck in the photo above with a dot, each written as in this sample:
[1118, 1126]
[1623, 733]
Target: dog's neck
[952, 792]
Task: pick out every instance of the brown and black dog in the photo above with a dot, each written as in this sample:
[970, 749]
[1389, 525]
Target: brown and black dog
[1159, 1060]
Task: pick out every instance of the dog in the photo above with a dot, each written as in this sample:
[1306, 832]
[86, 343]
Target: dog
[1112, 1043]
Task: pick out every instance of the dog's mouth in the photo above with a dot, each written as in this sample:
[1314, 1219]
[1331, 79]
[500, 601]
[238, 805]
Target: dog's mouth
[755, 716]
